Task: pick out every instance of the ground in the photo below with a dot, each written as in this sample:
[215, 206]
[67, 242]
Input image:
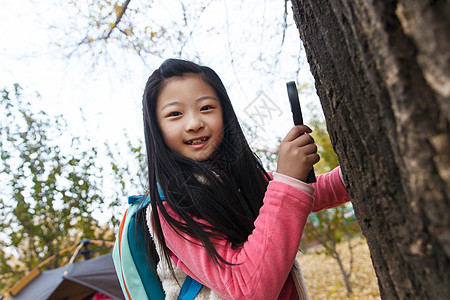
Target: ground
[324, 279]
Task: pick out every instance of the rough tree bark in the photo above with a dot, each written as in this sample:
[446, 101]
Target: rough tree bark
[382, 72]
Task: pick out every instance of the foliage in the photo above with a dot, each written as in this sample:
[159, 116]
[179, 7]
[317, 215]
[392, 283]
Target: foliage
[129, 168]
[328, 158]
[51, 187]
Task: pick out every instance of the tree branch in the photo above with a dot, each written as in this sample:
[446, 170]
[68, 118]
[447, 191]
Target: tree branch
[122, 10]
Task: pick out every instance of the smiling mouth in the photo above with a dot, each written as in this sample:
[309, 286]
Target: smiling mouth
[197, 141]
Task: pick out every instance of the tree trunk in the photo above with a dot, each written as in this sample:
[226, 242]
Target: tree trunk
[382, 72]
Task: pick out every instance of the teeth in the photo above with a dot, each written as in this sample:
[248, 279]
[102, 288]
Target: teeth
[195, 142]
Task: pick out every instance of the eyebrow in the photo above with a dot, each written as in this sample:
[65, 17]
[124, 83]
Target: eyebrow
[173, 103]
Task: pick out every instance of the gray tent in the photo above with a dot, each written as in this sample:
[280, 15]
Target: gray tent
[75, 281]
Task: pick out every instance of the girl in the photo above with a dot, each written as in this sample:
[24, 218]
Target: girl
[216, 214]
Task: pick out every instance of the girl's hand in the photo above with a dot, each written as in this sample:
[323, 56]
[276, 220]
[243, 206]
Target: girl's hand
[297, 153]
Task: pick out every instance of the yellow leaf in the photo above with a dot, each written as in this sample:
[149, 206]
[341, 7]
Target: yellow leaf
[128, 32]
[112, 25]
[118, 9]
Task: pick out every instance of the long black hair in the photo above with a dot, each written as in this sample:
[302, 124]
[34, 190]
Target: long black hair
[226, 191]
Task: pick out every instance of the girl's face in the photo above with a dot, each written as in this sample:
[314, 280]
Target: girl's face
[189, 114]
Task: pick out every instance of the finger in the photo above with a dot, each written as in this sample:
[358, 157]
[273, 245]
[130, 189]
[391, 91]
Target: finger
[303, 140]
[309, 149]
[313, 158]
[296, 131]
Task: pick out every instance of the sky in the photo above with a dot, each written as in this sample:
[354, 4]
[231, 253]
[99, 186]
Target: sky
[110, 96]
[103, 101]
[28, 57]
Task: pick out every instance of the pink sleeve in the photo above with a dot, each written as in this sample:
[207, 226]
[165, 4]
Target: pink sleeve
[301, 185]
[330, 191]
[263, 263]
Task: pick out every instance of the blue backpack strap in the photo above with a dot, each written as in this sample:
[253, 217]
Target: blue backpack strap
[134, 267]
[144, 264]
[189, 289]
[135, 273]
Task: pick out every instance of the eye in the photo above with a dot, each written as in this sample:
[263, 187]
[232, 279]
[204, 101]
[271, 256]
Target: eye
[207, 107]
[174, 114]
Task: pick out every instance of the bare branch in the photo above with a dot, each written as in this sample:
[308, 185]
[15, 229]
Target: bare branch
[350, 247]
[121, 11]
[231, 51]
[285, 25]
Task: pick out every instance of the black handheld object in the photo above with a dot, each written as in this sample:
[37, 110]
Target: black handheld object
[297, 115]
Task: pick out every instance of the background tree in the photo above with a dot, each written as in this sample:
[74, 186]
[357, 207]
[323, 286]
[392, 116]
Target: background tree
[156, 28]
[52, 188]
[382, 74]
[329, 228]
[333, 226]
[130, 34]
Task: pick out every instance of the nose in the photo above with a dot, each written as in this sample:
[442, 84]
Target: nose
[194, 123]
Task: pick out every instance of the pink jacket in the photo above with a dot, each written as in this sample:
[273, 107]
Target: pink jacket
[264, 262]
